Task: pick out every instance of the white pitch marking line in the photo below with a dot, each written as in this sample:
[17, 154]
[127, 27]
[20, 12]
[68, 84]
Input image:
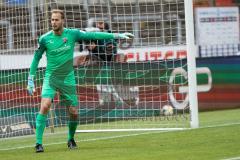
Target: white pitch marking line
[86, 140]
[234, 158]
[120, 136]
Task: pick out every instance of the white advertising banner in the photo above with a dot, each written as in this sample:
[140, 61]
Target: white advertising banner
[154, 53]
[23, 61]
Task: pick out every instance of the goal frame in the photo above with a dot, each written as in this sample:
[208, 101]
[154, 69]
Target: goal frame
[192, 78]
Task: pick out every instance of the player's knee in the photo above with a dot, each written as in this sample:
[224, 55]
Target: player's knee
[73, 113]
[45, 106]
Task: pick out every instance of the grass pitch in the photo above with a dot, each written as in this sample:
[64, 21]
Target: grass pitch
[218, 138]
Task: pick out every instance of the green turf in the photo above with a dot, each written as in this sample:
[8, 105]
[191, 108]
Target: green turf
[217, 138]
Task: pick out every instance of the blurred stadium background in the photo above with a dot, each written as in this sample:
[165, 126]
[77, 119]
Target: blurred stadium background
[159, 29]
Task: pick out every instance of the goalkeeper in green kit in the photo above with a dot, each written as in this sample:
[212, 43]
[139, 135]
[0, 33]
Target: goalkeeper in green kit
[59, 76]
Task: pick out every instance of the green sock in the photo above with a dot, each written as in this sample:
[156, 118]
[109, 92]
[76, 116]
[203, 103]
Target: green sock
[40, 126]
[72, 126]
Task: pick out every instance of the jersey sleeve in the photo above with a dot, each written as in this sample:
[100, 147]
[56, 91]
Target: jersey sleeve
[81, 35]
[37, 56]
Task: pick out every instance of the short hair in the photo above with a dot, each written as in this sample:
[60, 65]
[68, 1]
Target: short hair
[58, 11]
[106, 25]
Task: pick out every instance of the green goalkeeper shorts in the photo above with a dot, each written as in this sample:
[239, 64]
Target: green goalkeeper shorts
[66, 87]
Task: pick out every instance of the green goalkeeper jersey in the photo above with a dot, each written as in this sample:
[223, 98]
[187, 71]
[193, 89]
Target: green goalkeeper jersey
[60, 48]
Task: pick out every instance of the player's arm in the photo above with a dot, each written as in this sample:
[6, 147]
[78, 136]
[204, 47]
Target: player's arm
[34, 65]
[81, 35]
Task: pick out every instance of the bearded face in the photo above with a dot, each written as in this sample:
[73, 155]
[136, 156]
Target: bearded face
[57, 22]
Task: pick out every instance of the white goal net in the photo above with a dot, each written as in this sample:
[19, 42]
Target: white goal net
[143, 87]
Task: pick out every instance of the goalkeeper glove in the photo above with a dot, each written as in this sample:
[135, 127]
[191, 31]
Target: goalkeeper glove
[30, 86]
[123, 35]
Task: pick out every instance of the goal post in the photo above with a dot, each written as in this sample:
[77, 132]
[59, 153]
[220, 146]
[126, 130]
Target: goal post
[153, 69]
[191, 61]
